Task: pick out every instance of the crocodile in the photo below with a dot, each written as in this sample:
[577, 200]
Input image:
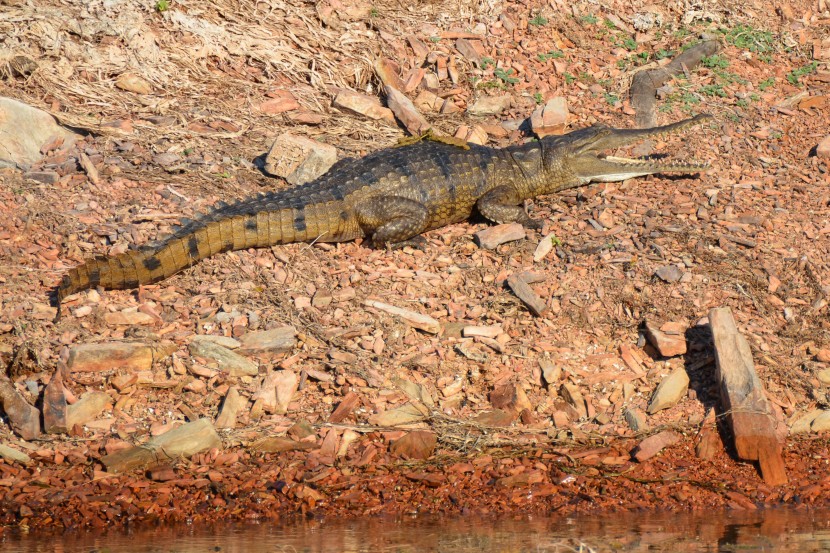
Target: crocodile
[390, 196]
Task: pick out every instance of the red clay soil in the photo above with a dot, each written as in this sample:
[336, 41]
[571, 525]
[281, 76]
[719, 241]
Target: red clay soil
[496, 416]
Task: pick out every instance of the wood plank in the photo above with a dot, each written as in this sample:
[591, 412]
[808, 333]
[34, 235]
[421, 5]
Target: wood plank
[743, 400]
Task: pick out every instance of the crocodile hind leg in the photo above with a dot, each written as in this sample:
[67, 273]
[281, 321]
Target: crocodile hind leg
[501, 205]
[392, 221]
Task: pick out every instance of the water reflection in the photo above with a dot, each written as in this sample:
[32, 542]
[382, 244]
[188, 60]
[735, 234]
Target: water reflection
[771, 530]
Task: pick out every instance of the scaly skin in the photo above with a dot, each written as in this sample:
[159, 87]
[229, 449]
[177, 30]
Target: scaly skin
[390, 196]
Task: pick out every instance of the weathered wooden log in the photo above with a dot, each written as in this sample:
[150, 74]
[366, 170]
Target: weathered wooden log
[742, 395]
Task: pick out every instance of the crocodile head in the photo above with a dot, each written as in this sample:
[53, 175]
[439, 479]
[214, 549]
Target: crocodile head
[580, 154]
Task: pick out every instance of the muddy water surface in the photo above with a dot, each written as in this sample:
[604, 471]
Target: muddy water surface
[770, 530]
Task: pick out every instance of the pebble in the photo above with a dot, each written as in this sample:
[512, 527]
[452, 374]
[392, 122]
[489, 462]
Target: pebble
[89, 406]
[224, 341]
[652, 445]
[419, 444]
[226, 360]
[490, 105]
[106, 356]
[496, 235]
[823, 148]
[133, 83]
[635, 419]
[362, 104]
[298, 159]
[46, 177]
[405, 111]
[282, 338]
[670, 391]
[573, 396]
[669, 273]
[668, 345]
[551, 118]
[274, 106]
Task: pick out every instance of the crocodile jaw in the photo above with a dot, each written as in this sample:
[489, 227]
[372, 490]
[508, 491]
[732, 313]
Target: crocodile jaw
[591, 168]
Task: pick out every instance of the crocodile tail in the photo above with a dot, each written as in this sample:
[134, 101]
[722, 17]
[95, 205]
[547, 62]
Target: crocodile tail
[216, 232]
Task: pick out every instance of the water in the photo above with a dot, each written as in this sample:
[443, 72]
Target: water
[778, 530]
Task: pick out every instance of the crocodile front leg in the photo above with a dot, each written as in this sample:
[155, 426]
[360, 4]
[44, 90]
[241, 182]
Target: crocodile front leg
[392, 221]
[501, 205]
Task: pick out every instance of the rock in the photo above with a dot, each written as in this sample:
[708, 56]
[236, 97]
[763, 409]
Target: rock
[496, 235]
[496, 417]
[670, 391]
[405, 111]
[428, 101]
[184, 441]
[301, 430]
[635, 419]
[231, 406]
[106, 356]
[54, 405]
[23, 418]
[225, 360]
[476, 135]
[298, 159]
[523, 479]
[652, 445]
[550, 371]
[823, 356]
[348, 404]
[274, 106]
[389, 73]
[821, 423]
[305, 117]
[490, 105]
[823, 148]
[524, 292]
[509, 396]
[23, 130]
[709, 444]
[280, 445]
[363, 105]
[667, 345]
[551, 118]
[545, 246]
[421, 322]
[561, 419]
[129, 318]
[273, 340]
[486, 331]
[285, 386]
[804, 423]
[406, 414]
[472, 50]
[89, 168]
[46, 177]
[669, 273]
[419, 444]
[418, 392]
[824, 377]
[87, 408]
[570, 393]
[133, 83]
[13, 455]
[419, 48]
[224, 341]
